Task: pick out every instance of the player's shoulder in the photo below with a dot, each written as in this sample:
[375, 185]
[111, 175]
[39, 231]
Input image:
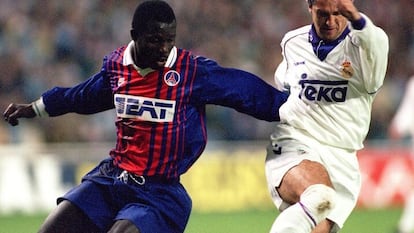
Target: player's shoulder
[117, 54]
[185, 54]
[201, 60]
[298, 33]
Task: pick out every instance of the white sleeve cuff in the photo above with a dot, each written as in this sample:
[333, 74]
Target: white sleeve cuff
[40, 108]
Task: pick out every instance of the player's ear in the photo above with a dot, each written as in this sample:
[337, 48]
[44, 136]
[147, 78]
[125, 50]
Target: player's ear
[134, 34]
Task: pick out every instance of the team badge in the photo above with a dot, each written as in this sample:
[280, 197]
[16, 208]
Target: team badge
[172, 78]
[346, 69]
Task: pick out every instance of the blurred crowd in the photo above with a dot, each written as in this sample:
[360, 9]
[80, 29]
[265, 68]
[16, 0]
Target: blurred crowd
[60, 43]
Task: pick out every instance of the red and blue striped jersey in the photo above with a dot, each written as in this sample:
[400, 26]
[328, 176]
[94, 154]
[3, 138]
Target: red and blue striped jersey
[161, 125]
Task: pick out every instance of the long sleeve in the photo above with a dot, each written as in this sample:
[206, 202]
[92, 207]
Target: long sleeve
[92, 96]
[373, 43]
[242, 91]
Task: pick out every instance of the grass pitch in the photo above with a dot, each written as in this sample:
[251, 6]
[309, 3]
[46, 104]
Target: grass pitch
[361, 221]
[255, 221]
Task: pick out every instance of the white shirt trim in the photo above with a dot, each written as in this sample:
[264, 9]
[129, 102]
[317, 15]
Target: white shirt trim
[128, 60]
[39, 108]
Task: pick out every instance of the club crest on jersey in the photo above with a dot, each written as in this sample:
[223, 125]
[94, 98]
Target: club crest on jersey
[144, 108]
[172, 78]
[346, 69]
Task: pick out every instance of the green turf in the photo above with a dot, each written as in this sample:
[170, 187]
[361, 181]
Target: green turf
[240, 222]
[361, 221]
[19, 223]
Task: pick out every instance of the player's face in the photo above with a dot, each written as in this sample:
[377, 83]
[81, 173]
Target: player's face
[154, 45]
[328, 22]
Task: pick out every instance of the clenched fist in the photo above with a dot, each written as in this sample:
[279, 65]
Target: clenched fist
[16, 111]
[348, 9]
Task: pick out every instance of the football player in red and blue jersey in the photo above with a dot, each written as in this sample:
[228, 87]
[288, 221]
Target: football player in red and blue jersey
[159, 93]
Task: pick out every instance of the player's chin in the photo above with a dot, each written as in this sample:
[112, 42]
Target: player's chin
[329, 35]
[159, 65]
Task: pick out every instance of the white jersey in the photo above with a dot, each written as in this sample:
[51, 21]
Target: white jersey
[403, 120]
[331, 99]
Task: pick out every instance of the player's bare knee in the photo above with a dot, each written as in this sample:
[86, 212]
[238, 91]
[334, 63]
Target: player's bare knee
[318, 200]
[124, 226]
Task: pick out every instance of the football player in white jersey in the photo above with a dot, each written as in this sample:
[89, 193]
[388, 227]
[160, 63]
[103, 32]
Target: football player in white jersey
[333, 69]
[402, 125]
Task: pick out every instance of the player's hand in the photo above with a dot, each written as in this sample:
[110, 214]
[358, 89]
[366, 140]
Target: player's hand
[348, 9]
[16, 111]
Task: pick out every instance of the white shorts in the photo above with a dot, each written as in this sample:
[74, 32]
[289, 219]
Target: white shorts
[290, 146]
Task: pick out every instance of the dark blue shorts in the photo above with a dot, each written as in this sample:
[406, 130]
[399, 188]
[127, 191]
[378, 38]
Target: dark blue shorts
[155, 206]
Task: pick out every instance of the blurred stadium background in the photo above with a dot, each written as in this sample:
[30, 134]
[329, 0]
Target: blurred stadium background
[60, 43]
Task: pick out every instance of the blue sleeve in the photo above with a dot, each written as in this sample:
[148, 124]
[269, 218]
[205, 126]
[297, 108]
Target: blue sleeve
[359, 24]
[91, 96]
[240, 90]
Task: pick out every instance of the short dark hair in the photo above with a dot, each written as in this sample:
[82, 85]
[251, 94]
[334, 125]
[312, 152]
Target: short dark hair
[153, 10]
[311, 2]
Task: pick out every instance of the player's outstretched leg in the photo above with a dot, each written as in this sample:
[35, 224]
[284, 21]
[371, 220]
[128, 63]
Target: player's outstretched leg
[69, 219]
[315, 204]
[324, 227]
[124, 226]
[406, 223]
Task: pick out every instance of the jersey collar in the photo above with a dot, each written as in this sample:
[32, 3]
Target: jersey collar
[127, 59]
[322, 48]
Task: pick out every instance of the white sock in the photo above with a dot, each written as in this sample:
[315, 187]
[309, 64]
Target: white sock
[292, 220]
[315, 204]
[407, 219]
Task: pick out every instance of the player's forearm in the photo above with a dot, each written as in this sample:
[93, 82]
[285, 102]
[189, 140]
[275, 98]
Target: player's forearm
[59, 101]
[374, 47]
[372, 38]
[92, 96]
[247, 93]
